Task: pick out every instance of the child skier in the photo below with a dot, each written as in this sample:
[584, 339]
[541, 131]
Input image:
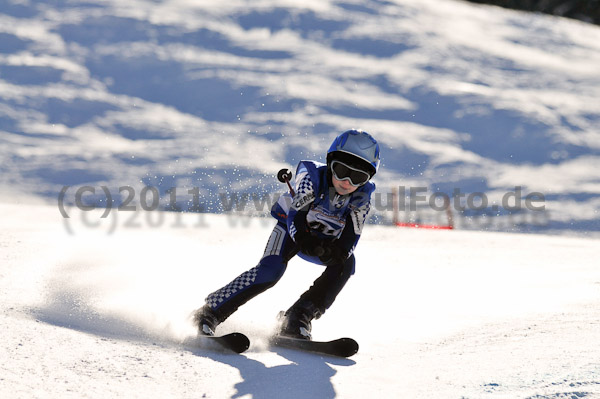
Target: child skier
[322, 224]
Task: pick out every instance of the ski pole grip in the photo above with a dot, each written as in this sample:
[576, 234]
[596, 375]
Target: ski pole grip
[284, 176]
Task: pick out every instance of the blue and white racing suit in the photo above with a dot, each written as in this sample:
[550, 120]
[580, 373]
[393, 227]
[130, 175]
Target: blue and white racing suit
[336, 219]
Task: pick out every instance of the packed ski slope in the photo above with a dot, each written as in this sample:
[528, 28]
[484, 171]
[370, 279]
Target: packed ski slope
[438, 314]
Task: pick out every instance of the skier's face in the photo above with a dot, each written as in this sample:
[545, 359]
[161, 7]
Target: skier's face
[343, 187]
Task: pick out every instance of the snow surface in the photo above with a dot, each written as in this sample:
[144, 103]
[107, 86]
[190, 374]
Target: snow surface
[438, 314]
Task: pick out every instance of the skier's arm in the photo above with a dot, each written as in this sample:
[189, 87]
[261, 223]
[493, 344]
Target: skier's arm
[305, 196]
[354, 225]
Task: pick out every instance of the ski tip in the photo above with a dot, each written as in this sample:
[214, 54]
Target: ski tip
[237, 342]
[347, 346]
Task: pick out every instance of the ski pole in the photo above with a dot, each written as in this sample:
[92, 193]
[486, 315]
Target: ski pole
[284, 176]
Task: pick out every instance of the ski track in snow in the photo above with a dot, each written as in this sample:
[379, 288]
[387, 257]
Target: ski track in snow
[437, 314]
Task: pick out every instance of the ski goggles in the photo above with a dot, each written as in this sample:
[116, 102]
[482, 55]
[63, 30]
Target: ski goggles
[356, 177]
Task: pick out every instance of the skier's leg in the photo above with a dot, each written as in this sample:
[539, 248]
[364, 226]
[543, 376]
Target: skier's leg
[225, 301]
[327, 287]
[317, 299]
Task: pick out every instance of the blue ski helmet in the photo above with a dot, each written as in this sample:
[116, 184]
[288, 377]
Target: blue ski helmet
[357, 148]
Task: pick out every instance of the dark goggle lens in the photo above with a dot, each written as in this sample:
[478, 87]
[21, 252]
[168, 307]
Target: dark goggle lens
[344, 172]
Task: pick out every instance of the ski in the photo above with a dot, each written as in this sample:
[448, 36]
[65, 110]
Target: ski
[236, 342]
[343, 347]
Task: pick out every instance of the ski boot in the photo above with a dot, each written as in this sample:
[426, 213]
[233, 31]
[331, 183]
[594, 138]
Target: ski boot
[296, 321]
[206, 320]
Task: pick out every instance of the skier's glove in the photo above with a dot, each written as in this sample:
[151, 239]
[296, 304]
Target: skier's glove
[333, 255]
[309, 244]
